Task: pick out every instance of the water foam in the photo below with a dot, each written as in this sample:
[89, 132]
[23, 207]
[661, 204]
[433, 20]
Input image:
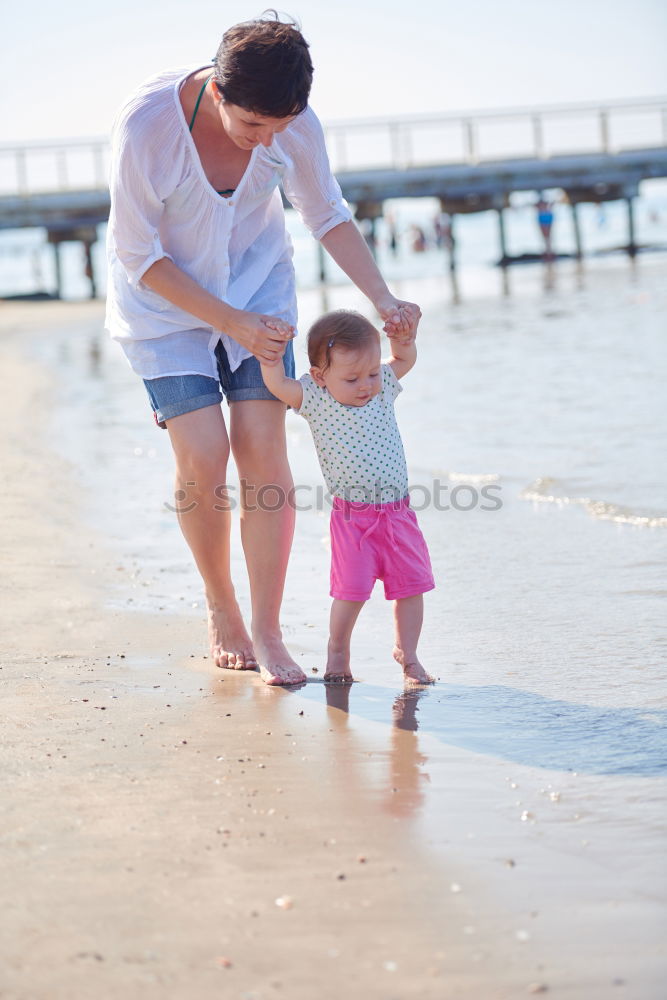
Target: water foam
[540, 491]
[467, 477]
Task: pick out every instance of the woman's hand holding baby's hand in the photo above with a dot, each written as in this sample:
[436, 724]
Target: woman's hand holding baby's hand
[401, 319]
[266, 337]
[284, 329]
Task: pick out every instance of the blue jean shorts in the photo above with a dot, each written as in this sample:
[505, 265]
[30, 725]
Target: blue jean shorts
[173, 395]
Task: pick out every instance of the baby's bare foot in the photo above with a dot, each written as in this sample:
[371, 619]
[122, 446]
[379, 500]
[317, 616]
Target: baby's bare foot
[276, 666]
[229, 641]
[338, 668]
[413, 672]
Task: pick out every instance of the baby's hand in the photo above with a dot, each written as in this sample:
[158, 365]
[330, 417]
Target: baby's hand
[401, 321]
[398, 338]
[280, 326]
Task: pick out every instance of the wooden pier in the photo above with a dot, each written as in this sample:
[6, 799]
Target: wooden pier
[470, 162]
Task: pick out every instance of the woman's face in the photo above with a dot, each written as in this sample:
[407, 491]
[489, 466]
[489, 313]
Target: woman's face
[247, 129]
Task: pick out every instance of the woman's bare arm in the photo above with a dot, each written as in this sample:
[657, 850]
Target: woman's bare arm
[348, 248]
[263, 336]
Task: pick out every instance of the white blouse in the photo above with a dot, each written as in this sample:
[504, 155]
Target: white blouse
[162, 205]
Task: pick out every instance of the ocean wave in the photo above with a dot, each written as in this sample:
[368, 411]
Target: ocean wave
[541, 491]
[472, 477]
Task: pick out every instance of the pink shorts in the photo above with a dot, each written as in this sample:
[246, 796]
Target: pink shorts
[377, 542]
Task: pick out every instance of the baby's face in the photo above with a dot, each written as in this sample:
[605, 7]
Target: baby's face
[353, 377]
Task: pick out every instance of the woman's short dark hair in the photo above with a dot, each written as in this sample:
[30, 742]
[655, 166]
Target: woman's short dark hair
[264, 66]
[343, 329]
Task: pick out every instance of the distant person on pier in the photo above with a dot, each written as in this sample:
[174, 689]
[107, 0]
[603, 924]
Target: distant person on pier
[367, 229]
[392, 233]
[545, 220]
[442, 226]
[202, 289]
[418, 238]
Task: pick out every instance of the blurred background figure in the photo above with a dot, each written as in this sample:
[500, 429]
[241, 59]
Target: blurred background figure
[442, 227]
[368, 232]
[545, 219]
[392, 233]
[417, 239]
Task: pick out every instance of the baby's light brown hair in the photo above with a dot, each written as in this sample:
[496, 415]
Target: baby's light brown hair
[343, 328]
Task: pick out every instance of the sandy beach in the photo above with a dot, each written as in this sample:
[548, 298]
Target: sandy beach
[168, 830]
[173, 830]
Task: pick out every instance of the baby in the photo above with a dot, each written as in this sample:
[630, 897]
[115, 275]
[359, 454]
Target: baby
[348, 400]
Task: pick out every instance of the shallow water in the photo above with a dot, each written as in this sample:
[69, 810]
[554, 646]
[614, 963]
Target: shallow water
[535, 432]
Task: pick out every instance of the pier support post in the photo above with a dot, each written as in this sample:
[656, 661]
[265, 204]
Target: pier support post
[451, 244]
[502, 235]
[574, 207]
[87, 235]
[632, 246]
[90, 269]
[321, 263]
[59, 269]
[369, 212]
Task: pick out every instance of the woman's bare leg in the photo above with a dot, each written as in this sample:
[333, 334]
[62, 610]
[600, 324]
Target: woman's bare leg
[342, 620]
[408, 618]
[267, 527]
[201, 448]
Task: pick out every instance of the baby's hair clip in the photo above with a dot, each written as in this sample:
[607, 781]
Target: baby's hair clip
[330, 344]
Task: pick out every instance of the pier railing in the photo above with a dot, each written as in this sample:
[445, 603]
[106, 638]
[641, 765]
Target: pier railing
[397, 143]
[513, 133]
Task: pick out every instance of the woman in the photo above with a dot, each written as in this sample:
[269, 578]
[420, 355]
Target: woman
[202, 288]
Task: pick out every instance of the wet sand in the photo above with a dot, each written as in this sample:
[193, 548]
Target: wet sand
[156, 808]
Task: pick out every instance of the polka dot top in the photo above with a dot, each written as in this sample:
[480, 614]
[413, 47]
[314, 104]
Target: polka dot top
[359, 447]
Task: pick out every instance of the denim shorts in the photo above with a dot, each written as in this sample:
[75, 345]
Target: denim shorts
[173, 395]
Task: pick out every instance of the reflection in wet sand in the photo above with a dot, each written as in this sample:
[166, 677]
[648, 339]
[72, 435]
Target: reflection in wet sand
[400, 791]
[406, 784]
[523, 727]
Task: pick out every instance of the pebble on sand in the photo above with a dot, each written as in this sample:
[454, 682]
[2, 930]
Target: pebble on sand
[284, 902]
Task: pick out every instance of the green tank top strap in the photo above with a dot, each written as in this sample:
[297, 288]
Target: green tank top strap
[227, 191]
[201, 94]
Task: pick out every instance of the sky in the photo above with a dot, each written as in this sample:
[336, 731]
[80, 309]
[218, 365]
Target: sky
[66, 67]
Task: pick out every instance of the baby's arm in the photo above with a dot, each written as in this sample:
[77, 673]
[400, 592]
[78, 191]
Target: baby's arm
[403, 356]
[289, 390]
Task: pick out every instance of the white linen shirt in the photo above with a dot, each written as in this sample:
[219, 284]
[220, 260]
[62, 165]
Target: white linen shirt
[162, 205]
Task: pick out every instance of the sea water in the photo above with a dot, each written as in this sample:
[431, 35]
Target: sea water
[534, 426]
[27, 261]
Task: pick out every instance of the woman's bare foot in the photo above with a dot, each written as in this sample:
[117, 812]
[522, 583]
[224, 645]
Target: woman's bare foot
[338, 668]
[229, 642]
[413, 672]
[276, 666]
